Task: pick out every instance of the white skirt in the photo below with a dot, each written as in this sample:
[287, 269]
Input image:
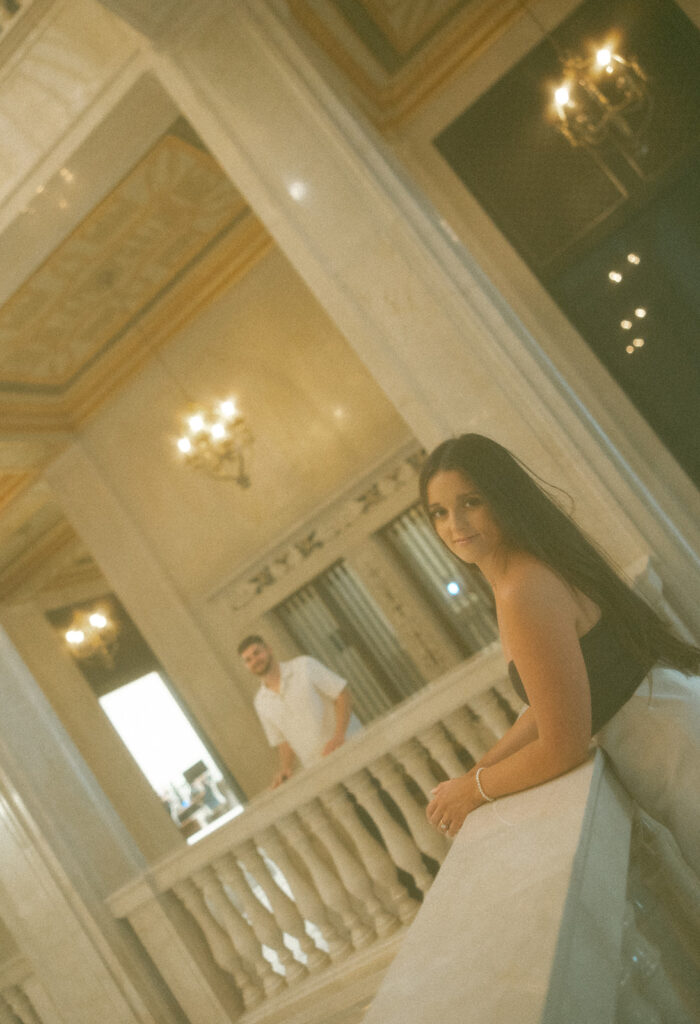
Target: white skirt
[654, 744]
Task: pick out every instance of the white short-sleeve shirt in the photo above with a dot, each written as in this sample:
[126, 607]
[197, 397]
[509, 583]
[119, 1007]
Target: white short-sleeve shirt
[303, 712]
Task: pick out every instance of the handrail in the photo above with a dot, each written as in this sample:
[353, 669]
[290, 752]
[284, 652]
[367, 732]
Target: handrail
[420, 711]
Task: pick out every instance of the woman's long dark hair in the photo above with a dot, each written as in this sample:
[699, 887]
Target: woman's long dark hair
[531, 521]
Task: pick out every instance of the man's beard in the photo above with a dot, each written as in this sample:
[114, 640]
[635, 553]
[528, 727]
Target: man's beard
[264, 667]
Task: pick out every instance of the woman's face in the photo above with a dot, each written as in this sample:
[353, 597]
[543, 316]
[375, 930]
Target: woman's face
[461, 518]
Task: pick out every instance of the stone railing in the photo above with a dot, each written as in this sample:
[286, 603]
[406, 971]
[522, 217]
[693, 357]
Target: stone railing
[22, 1000]
[316, 882]
[561, 903]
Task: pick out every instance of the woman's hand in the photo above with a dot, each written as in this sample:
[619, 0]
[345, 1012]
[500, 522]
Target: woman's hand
[452, 802]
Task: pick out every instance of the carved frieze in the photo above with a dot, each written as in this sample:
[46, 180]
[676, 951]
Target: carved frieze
[329, 526]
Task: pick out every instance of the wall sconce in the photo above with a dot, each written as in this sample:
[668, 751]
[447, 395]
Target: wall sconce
[92, 635]
[215, 440]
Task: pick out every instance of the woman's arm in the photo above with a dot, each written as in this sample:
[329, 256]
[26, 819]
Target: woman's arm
[538, 616]
[521, 732]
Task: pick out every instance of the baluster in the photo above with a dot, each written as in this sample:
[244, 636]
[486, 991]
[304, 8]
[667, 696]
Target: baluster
[475, 737]
[222, 948]
[238, 929]
[392, 779]
[307, 899]
[399, 843]
[332, 892]
[266, 929]
[21, 1005]
[415, 760]
[285, 910]
[486, 706]
[506, 691]
[352, 873]
[377, 861]
[435, 740]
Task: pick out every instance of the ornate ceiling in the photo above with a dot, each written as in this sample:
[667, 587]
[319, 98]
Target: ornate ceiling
[82, 304]
[152, 252]
[131, 273]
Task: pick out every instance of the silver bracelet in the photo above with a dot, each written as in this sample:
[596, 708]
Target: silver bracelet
[488, 799]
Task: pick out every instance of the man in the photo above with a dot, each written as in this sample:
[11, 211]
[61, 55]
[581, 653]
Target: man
[303, 707]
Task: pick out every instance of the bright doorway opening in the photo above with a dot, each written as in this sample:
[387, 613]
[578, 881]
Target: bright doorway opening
[171, 755]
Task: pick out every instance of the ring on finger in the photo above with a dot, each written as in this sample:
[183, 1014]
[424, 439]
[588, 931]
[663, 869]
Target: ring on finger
[444, 826]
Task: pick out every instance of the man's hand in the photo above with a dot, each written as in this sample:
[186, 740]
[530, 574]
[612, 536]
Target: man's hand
[333, 744]
[280, 777]
[286, 758]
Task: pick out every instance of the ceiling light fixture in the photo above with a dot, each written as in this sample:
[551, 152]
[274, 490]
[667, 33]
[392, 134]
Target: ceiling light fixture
[215, 440]
[92, 634]
[602, 94]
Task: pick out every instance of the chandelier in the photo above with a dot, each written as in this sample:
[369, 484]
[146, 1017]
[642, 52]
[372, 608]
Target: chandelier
[92, 635]
[215, 440]
[600, 95]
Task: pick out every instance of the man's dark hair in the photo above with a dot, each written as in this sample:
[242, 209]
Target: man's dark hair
[249, 641]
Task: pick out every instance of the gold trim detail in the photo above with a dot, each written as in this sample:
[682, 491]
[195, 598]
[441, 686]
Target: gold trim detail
[390, 99]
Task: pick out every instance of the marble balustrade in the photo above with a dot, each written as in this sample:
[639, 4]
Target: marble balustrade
[318, 884]
[561, 903]
[324, 874]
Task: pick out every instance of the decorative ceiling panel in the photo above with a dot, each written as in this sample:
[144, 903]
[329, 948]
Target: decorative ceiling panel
[160, 219]
[408, 23]
[397, 53]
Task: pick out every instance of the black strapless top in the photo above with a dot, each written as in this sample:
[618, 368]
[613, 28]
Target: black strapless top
[612, 673]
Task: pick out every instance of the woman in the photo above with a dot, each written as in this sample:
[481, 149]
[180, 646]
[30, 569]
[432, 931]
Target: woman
[582, 648]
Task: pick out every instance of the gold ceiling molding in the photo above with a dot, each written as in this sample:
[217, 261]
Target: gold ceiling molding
[172, 236]
[408, 23]
[232, 257]
[431, 42]
[12, 484]
[36, 569]
[80, 572]
[160, 218]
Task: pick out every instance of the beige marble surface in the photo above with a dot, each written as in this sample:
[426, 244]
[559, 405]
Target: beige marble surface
[503, 911]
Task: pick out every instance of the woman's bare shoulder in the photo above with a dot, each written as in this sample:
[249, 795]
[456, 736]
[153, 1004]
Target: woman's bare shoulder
[533, 605]
[529, 580]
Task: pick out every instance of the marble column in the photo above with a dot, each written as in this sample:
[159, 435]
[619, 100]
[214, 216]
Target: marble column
[417, 628]
[169, 627]
[63, 850]
[79, 711]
